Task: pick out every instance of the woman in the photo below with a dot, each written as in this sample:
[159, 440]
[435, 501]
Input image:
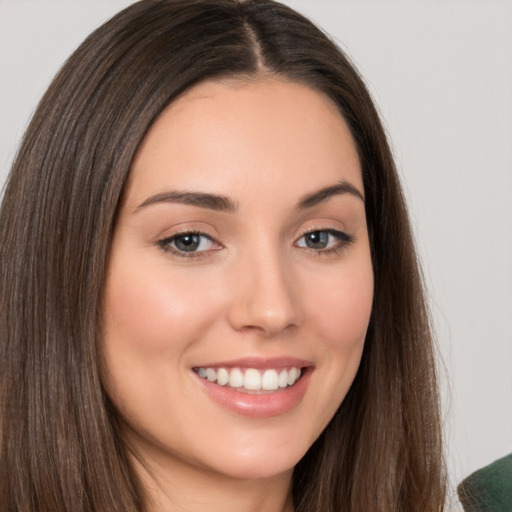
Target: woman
[209, 295]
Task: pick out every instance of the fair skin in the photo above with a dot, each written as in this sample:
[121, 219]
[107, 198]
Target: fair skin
[241, 246]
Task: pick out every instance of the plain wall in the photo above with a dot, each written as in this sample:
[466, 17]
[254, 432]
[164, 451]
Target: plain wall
[441, 73]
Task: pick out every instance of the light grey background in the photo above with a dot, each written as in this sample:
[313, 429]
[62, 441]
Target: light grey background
[441, 73]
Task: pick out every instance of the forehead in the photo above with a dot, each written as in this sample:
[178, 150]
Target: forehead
[230, 135]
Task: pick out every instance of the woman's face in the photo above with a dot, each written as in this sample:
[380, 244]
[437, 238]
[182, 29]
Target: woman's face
[240, 258]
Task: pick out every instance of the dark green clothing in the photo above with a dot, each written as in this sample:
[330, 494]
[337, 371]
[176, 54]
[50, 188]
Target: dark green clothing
[489, 489]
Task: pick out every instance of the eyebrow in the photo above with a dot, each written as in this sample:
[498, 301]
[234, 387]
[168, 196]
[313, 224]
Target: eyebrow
[225, 204]
[343, 187]
[201, 199]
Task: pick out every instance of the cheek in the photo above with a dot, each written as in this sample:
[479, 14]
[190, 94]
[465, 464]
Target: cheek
[148, 311]
[339, 308]
[151, 318]
[342, 308]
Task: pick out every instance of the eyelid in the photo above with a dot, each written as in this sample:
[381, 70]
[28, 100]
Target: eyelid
[331, 230]
[165, 243]
[344, 239]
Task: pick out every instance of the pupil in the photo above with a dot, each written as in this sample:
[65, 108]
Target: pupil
[187, 243]
[317, 240]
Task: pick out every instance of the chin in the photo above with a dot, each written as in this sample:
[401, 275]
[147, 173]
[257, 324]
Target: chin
[257, 468]
[263, 460]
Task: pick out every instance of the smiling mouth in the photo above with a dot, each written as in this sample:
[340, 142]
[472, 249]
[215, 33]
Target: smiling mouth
[251, 380]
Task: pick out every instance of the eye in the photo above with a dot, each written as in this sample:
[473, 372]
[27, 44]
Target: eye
[324, 240]
[188, 244]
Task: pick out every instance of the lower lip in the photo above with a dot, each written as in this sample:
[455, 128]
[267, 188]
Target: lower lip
[258, 406]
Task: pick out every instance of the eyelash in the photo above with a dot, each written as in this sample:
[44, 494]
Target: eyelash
[165, 244]
[343, 240]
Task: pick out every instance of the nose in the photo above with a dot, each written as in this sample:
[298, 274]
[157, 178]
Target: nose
[265, 297]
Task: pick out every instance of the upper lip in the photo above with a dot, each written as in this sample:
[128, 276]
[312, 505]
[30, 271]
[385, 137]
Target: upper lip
[259, 363]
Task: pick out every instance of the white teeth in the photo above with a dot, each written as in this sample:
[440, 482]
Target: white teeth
[293, 375]
[236, 378]
[222, 377]
[251, 379]
[211, 374]
[269, 380]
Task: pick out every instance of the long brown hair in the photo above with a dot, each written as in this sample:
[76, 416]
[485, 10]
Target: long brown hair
[60, 444]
